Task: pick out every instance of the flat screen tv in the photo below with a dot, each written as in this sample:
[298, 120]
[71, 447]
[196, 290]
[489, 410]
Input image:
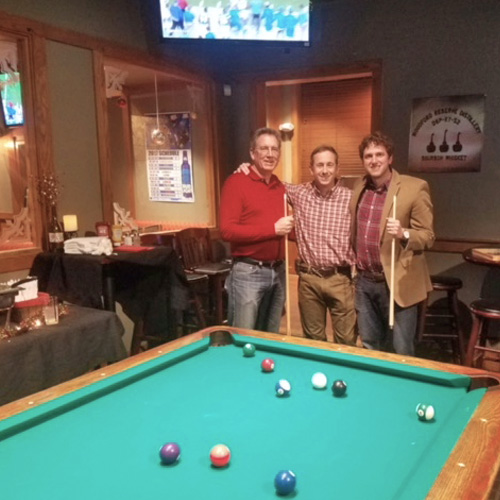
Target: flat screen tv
[12, 101]
[282, 21]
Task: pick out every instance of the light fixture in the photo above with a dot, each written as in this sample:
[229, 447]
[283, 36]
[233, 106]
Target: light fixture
[157, 134]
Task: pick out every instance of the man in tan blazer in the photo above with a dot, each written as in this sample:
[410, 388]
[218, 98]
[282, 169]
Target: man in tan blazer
[373, 229]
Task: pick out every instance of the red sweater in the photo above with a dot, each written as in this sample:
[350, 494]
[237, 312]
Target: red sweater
[248, 210]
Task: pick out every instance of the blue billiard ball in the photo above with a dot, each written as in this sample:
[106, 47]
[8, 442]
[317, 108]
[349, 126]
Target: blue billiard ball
[283, 387]
[169, 453]
[285, 482]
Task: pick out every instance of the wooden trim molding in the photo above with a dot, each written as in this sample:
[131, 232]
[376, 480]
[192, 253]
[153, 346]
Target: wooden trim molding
[444, 245]
[103, 135]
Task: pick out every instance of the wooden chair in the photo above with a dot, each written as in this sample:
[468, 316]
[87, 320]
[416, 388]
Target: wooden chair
[195, 248]
[189, 321]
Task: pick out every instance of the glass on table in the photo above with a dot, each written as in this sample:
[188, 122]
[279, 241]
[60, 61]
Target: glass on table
[51, 311]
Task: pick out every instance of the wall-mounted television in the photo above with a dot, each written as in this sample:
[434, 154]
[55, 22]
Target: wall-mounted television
[12, 101]
[283, 21]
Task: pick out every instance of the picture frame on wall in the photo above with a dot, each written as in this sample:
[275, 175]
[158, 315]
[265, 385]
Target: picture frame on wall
[446, 134]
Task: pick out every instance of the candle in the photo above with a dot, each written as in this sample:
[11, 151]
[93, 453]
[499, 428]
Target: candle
[70, 223]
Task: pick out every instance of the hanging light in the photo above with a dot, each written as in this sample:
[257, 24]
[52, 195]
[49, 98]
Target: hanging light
[157, 134]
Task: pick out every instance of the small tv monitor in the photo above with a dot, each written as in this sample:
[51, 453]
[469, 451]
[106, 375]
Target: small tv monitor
[12, 101]
[281, 21]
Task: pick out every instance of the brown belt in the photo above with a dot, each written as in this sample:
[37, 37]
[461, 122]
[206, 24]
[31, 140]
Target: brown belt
[323, 272]
[372, 276]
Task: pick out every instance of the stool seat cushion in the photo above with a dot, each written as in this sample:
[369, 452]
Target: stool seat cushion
[486, 307]
[444, 283]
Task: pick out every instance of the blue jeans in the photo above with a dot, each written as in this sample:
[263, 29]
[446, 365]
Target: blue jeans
[372, 306]
[256, 296]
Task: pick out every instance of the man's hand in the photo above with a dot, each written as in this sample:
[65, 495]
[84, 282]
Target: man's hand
[394, 228]
[284, 225]
[244, 168]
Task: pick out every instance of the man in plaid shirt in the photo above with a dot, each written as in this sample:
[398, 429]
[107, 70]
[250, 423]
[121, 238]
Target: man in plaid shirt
[374, 229]
[322, 231]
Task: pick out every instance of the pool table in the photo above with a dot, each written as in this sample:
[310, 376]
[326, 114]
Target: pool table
[98, 436]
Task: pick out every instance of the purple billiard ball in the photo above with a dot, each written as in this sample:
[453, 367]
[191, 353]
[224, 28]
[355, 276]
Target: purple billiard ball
[169, 453]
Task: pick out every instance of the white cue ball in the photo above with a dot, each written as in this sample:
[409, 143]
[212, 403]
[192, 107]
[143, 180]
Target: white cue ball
[319, 380]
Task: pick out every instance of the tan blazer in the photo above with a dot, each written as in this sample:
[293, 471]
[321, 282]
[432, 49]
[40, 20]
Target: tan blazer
[414, 211]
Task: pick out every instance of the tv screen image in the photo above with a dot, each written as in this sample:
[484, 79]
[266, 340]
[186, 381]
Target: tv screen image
[247, 20]
[12, 102]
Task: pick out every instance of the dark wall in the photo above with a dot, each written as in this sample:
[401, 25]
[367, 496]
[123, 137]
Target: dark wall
[427, 48]
[116, 20]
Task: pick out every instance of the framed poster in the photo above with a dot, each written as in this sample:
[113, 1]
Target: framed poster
[169, 158]
[447, 134]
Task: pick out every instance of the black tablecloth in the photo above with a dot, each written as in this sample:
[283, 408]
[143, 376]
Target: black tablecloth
[84, 339]
[150, 285]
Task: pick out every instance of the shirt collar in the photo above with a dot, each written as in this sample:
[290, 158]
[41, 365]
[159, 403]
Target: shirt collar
[256, 177]
[369, 184]
[329, 193]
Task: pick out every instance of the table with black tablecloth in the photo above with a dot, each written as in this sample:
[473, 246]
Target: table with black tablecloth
[83, 339]
[150, 285]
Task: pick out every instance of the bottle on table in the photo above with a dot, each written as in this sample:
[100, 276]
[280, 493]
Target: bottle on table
[56, 235]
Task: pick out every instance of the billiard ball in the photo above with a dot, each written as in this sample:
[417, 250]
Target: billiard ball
[283, 388]
[285, 482]
[169, 453]
[267, 365]
[248, 350]
[339, 388]
[220, 455]
[425, 412]
[319, 380]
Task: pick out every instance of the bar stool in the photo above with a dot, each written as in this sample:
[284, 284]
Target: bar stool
[440, 322]
[483, 310]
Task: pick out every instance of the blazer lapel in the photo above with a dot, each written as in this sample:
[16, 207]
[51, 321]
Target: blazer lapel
[387, 210]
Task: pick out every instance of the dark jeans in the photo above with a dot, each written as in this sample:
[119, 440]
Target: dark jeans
[372, 306]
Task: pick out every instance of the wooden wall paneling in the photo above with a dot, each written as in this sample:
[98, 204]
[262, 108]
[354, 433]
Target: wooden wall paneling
[129, 154]
[103, 136]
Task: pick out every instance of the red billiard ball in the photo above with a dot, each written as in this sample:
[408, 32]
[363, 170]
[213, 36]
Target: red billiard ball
[220, 455]
[267, 365]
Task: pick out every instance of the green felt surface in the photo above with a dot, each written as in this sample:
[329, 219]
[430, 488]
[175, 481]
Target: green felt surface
[103, 441]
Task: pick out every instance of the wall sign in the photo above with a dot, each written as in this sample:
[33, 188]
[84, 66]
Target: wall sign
[447, 134]
[169, 158]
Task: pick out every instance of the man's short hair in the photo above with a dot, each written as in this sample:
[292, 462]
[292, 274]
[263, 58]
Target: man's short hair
[321, 149]
[378, 139]
[264, 131]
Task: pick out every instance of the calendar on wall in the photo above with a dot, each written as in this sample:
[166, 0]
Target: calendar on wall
[169, 158]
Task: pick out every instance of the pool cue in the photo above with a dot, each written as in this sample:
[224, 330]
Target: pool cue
[286, 131]
[393, 258]
[287, 277]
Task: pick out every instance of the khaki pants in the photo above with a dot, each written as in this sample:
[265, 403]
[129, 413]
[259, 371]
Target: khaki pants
[335, 294]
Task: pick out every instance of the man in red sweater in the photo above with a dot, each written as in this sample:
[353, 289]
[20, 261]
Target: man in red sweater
[253, 220]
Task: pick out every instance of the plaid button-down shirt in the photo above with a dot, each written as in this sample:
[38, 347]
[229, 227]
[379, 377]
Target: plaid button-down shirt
[322, 224]
[368, 221]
